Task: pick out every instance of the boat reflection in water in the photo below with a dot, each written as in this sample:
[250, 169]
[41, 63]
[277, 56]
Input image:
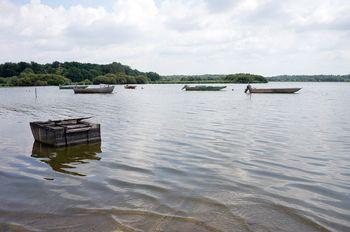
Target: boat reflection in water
[64, 158]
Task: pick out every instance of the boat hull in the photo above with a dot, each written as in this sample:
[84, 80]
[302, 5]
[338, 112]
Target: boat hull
[275, 90]
[101, 90]
[204, 88]
[130, 86]
[65, 132]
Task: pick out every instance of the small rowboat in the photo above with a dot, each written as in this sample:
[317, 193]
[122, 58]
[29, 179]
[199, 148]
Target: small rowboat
[130, 86]
[271, 90]
[73, 86]
[107, 89]
[203, 88]
[66, 132]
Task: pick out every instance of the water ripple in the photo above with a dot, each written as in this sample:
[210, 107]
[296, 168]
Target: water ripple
[180, 161]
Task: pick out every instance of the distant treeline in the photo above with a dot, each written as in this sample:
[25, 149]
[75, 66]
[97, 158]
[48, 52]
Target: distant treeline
[214, 78]
[311, 78]
[56, 73]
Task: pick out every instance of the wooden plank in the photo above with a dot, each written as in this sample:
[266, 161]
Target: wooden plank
[78, 130]
[77, 126]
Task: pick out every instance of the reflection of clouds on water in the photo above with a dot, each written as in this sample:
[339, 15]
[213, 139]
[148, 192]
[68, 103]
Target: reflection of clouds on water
[63, 158]
[219, 160]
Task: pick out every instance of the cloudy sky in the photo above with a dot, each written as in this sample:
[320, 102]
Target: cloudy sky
[267, 37]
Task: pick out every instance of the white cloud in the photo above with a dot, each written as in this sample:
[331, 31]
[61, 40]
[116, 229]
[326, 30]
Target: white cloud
[178, 36]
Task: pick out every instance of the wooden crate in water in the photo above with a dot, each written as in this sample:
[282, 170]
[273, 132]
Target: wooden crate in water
[66, 132]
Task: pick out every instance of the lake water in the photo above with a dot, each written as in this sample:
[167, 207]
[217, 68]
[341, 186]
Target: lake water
[180, 161]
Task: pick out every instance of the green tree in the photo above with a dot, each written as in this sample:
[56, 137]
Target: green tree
[3, 81]
[86, 82]
[27, 71]
[141, 79]
[9, 70]
[105, 79]
[245, 78]
[24, 73]
[73, 73]
[131, 80]
[121, 78]
[153, 76]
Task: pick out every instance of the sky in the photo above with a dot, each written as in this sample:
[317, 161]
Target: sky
[266, 37]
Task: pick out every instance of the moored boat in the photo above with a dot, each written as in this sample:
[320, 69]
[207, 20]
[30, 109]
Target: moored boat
[271, 90]
[203, 88]
[106, 89]
[130, 86]
[73, 86]
[65, 132]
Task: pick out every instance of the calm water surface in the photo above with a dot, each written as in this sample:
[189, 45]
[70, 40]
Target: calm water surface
[180, 161]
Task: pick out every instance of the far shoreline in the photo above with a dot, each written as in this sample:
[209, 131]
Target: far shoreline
[184, 83]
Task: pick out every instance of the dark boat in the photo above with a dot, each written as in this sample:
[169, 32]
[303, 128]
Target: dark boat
[107, 89]
[271, 90]
[73, 86]
[66, 132]
[203, 88]
[130, 86]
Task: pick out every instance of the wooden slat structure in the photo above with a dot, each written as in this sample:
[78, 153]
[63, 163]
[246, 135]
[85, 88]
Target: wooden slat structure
[66, 132]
